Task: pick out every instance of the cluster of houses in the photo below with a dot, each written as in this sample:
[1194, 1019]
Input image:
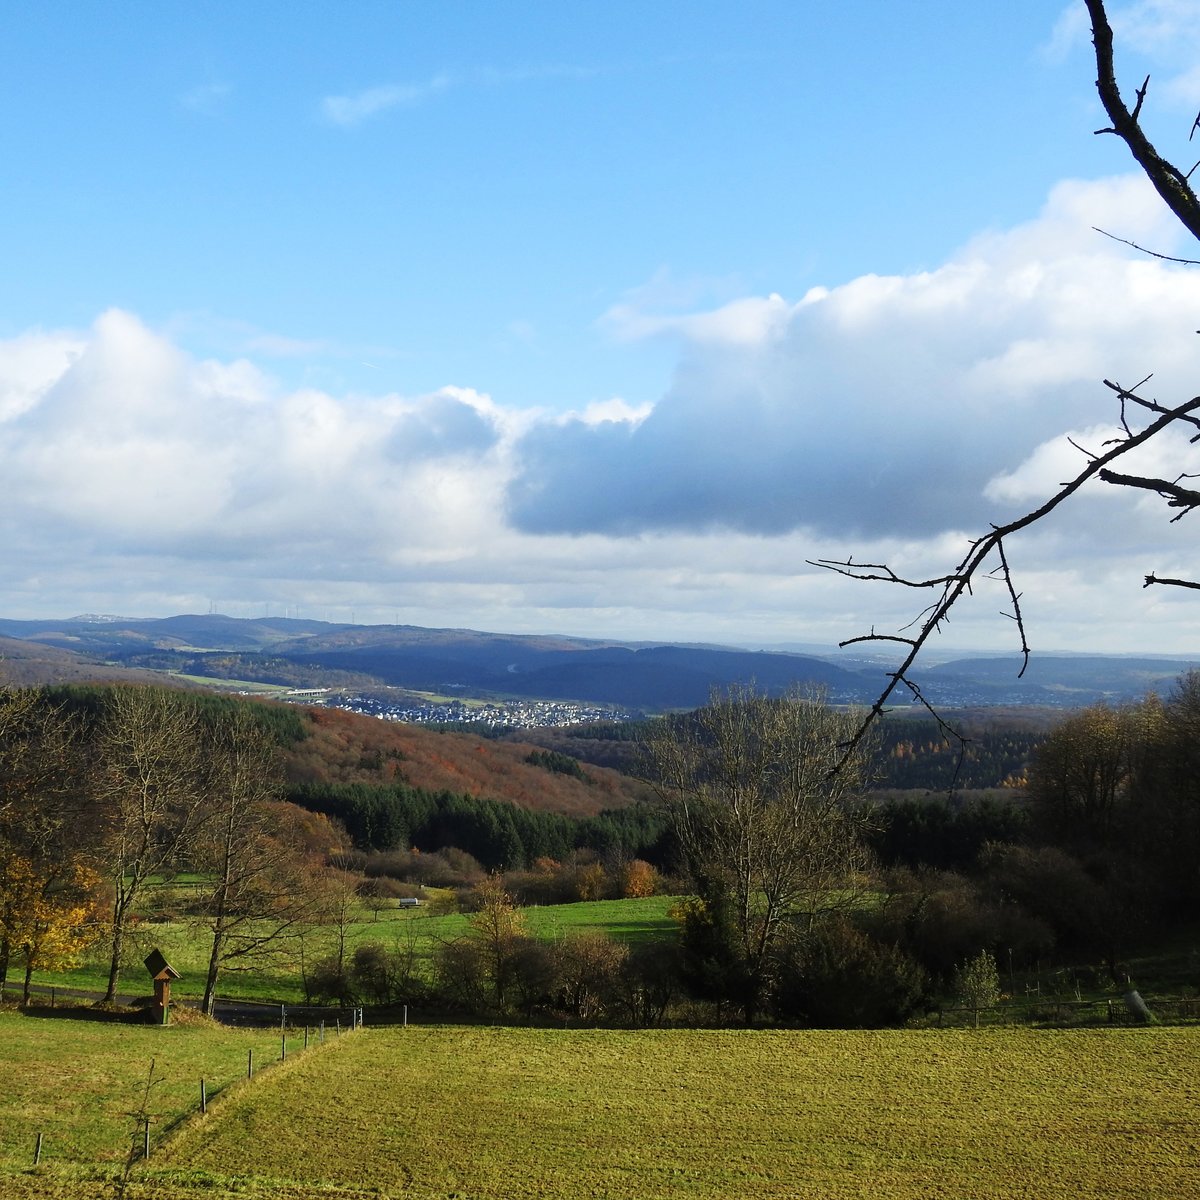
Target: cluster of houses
[512, 714]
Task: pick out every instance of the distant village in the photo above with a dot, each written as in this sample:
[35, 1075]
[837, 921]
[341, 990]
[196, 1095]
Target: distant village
[513, 714]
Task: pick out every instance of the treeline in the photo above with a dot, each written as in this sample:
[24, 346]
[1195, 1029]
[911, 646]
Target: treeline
[1098, 856]
[916, 754]
[908, 755]
[499, 835]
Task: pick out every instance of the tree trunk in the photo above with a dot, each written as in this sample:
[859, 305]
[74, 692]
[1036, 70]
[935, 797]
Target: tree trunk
[28, 975]
[5, 956]
[114, 966]
[214, 960]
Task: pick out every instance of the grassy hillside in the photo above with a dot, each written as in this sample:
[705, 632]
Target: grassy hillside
[504, 1114]
[77, 1081]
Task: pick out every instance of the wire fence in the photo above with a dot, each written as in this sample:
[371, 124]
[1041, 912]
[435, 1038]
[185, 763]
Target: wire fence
[261, 1015]
[1044, 1010]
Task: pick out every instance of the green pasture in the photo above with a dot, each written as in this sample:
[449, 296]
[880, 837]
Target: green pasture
[78, 1081]
[504, 1114]
[277, 976]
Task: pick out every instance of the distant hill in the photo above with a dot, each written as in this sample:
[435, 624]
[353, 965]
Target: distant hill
[33, 664]
[465, 663]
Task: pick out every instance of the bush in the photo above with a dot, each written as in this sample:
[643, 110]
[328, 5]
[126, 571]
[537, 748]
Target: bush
[638, 878]
[841, 978]
[589, 970]
[940, 918]
[1051, 886]
[649, 982]
[977, 983]
[329, 982]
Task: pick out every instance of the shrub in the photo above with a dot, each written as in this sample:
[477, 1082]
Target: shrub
[638, 878]
[589, 967]
[842, 978]
[977, 983]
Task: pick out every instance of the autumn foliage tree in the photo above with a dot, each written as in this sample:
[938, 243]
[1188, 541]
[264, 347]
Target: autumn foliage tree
[49, 911]
[46, 830]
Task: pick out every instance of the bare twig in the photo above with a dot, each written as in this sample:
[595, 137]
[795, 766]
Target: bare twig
[1015, 596]
[1189, 262]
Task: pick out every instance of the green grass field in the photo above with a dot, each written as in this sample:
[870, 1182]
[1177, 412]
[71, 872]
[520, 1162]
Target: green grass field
[76, 1082]
[504, 1114]
[183, 941]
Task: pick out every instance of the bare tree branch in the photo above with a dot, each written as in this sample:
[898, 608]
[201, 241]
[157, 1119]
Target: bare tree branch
[1015, 596]
[1171, 492]
[1183, 583]
[958, 582]
[1170, 183]
[1176, 191]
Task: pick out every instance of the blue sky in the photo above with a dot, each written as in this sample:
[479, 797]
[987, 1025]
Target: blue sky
[596, 319]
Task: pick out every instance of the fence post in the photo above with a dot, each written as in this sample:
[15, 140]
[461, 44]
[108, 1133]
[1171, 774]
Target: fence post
[283, 1047]
[249, 1064]
[203, 1098]
[406, 1016]
[146, 1139]
[306, 1037]
[283, 1018]
[37, 1151]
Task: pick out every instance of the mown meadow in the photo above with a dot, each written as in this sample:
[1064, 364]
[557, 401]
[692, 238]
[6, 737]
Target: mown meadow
[504, 1114]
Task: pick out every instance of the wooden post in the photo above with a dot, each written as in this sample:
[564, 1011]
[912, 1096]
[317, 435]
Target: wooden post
[249, 1064]
[283, 1047]
[306, 1037]
[146, 1139]
[37, 1151]
[203, 1098]
[406, 1016]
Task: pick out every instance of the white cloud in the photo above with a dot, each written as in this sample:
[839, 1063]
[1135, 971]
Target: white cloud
[885, 404]
[29, 364]
[354, 109]
[888, 418]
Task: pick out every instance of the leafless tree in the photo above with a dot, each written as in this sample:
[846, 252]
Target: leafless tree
[764, 823]
[262, 888]
[1141, 420]
[149, 786]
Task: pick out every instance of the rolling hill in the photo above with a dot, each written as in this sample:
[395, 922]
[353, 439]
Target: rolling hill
[293, 653]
